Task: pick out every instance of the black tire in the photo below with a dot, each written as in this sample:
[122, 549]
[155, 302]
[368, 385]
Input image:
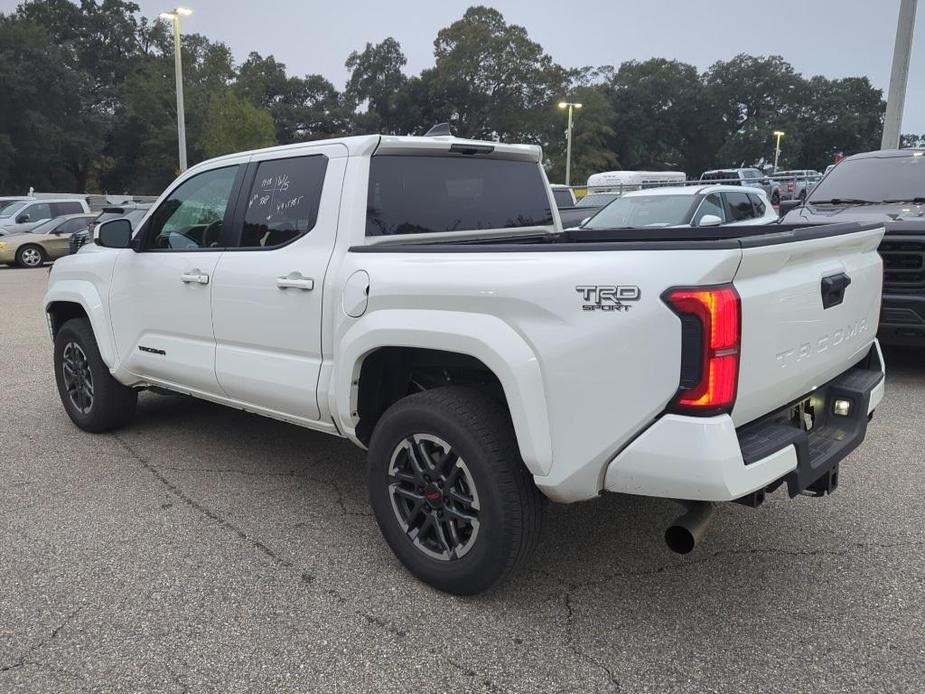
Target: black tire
[775, 198]
[111, 404]
[31, 255]
[509, 507]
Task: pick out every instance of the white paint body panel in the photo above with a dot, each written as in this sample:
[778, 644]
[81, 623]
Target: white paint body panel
[587, 390]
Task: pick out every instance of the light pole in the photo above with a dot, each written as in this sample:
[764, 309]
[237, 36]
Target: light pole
[568, 139]
[899, 75]
[175, 15]
[778, 134]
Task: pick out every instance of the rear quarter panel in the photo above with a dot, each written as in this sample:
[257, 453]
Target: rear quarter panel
[583, 382]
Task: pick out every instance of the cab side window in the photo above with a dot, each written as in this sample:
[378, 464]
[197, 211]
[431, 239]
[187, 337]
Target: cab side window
[738, 207]
[283, 201]
[192, 216]
[62, 208]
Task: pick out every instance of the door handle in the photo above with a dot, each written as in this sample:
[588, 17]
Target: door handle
[195, 276]
[294, 280]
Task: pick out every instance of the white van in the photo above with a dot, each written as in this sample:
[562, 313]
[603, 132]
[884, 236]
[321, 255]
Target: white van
[624, 181]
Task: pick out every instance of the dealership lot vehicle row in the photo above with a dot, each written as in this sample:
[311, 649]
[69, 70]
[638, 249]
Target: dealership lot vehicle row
[205, 549]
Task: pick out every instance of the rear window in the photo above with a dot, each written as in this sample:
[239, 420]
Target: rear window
[420, 195]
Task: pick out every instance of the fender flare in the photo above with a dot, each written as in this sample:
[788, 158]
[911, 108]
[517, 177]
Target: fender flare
[485, 337]
[85, 294]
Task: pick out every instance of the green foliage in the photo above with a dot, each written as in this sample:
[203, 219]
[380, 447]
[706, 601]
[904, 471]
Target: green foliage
[89, 102]
[234, 125]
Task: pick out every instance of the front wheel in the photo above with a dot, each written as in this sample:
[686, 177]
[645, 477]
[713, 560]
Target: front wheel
[449, 490]
[92, 398]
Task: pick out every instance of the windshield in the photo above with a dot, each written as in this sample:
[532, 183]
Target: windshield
[10, 210]
[874, 179]
[645, 211]
[597, 199]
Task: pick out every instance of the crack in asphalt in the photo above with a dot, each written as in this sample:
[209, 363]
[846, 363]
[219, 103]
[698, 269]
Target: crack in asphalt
[306, 577]
[205, 510]
[340, 499]
[574, 647]
[21, 660]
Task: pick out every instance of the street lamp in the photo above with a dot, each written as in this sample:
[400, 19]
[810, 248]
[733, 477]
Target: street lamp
[568, 139]
[778, 134]
[175, 15]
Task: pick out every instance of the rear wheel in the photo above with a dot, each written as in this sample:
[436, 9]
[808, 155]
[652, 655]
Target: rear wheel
[92, 398]
[30, 256]
[449, 490]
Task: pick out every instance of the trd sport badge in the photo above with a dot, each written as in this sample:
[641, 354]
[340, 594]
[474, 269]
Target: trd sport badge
[608, 297]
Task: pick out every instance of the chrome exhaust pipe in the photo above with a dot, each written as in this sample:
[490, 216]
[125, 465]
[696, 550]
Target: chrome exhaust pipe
[688, 530]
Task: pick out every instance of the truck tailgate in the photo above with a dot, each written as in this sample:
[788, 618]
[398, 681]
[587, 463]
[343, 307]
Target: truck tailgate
[797, 331]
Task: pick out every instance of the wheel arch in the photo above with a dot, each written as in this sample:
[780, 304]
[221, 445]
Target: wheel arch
[69, 299]
[385, 339]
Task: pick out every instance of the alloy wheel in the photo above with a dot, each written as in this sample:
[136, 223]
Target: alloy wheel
[78, 381]
[31, 257]
[434, 497]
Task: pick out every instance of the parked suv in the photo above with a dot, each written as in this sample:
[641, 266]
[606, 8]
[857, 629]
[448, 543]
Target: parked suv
[26, 214]
[417, 296]
[752, 178]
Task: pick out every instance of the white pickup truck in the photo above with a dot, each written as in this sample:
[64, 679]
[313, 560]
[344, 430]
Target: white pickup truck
[418, 297]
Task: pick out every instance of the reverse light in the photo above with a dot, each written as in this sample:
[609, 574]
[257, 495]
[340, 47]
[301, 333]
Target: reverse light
[711, 336]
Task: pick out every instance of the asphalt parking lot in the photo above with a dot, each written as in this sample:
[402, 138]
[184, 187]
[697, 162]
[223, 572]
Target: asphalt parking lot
[203, 549]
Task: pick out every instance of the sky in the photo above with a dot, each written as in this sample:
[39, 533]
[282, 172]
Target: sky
[834, 38]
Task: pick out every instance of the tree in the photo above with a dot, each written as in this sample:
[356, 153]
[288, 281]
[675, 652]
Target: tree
[234, 125]
[376, 78]
[492, 80]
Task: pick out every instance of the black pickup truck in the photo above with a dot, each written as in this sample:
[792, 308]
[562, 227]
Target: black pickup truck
[883, 186]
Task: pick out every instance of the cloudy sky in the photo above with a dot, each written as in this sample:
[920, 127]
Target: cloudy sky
[835, 38]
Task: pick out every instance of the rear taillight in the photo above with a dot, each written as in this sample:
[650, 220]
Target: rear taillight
[711, 335]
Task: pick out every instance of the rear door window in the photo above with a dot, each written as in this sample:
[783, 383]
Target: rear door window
[429, 194]
[283, 201]
[738, 207]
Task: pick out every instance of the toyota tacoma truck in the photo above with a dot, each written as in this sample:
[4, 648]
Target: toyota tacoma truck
[417, 296]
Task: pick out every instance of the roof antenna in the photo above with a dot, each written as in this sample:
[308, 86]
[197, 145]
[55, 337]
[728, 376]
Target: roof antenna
[439, 130]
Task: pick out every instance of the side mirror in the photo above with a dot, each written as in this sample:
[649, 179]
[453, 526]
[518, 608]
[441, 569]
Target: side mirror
[709, 220]
[22, 219]
[116, 233]
[789, 205]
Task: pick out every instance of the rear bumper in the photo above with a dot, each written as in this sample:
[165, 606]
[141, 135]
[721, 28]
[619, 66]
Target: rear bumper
[902, 319]
[708, 459]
